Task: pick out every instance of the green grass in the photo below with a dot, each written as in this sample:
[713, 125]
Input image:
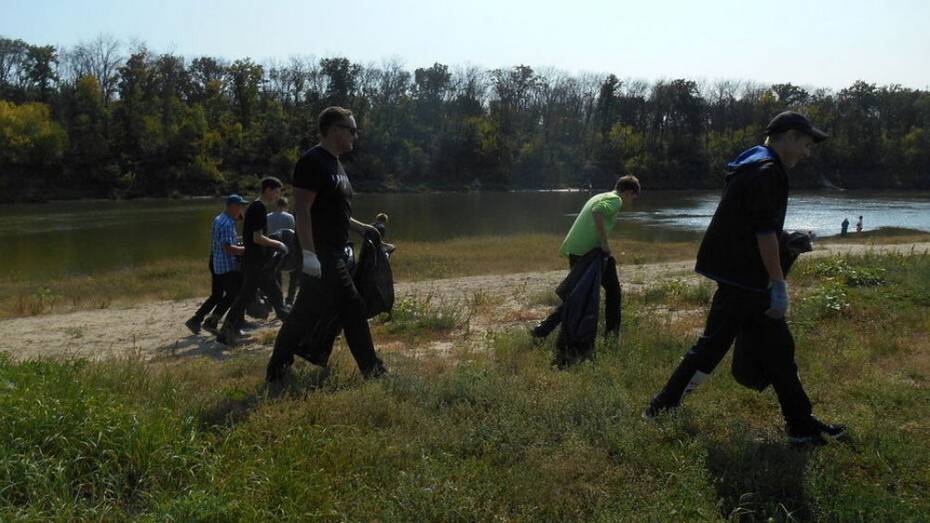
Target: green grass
[495, 434]
[677, 293]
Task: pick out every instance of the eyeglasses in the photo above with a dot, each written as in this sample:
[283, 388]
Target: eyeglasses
[353, 130]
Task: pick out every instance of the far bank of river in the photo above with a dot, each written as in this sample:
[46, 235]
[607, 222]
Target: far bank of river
[91, 236]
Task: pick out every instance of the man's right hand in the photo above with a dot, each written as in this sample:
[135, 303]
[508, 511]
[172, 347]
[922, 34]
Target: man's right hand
[606, 248]
[311, 265]
[778, 299]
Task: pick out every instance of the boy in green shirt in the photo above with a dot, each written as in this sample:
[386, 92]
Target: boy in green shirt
[590, 231]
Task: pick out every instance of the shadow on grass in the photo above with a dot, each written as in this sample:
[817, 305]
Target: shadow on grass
[759, 480]
[238, 404]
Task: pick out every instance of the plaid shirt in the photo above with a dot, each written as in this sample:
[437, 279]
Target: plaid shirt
[223, 233]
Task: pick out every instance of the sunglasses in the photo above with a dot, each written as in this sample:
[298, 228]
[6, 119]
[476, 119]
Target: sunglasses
[353, 130]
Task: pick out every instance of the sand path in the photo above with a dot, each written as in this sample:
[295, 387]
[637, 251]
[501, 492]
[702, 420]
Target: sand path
[156, 331]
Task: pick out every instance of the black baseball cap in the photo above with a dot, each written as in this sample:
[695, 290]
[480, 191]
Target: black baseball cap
[789, 120]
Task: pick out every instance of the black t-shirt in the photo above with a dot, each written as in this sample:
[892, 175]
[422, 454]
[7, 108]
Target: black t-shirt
[320, 172]
[255, 220]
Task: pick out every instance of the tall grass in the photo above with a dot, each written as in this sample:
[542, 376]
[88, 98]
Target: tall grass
[493, 435]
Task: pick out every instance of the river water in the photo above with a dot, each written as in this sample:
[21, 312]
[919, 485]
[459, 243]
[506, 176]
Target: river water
[47, 240]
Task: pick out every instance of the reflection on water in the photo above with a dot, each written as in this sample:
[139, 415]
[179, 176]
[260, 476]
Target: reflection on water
[86, 237]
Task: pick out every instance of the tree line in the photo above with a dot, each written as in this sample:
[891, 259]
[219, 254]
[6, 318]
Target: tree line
[108, 119]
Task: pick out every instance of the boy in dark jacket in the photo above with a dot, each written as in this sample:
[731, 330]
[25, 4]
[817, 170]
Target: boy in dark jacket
[740, 252]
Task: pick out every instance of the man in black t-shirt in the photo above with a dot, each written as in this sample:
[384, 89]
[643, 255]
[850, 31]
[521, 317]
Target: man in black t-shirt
[254, 240]
[323, 214]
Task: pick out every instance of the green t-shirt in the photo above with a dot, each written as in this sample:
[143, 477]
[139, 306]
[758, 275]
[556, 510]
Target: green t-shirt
[582, 237]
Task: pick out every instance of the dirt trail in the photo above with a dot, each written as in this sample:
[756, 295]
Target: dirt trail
[156, 330]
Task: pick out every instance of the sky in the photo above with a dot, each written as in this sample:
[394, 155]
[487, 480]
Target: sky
[812, 43]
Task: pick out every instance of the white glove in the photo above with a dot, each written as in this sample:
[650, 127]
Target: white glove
[311, 264]
[284, 250]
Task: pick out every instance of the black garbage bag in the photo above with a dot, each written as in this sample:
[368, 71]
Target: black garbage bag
[747, 368]
[580, 292]
[373, 277]
[275, 261]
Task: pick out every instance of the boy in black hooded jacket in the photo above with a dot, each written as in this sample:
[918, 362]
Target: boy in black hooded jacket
[740, 252]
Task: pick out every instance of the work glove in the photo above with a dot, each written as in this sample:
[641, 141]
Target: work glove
[284, 250]
[778, 299]
[311, 265]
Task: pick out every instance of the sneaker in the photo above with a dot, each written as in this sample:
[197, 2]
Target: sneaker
[378, 371]
[249, 325]
[193, 324]
[539, 333]
[654, 410]
[277, 374]
[228, 336]
[283, 313]
[813, 432]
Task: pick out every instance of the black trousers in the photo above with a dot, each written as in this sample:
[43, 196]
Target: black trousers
[612, 300]
[732, 310]
[223, 290]
[251, 279]
[320, 298]
[271, 287]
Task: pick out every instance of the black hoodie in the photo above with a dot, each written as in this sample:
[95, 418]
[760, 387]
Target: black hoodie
[754, 202]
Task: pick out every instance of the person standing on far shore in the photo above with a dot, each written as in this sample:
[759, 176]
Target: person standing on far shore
[844, 227]
[859, 225]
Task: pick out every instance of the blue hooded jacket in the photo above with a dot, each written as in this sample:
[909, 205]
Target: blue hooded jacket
[757, 154]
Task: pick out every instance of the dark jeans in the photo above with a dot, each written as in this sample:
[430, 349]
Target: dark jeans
[333, 293]
[251, 279]
[612, 300]
[223, 290]
[732, 310]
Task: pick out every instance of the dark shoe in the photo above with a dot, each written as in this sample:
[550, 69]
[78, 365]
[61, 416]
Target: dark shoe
[656, 408]
[277, 374]
[540, 332]
[283, 313]
[228, 336]
[248, 325]
[193, 324]
[813, 432]
[210, 325]
[378, 371]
